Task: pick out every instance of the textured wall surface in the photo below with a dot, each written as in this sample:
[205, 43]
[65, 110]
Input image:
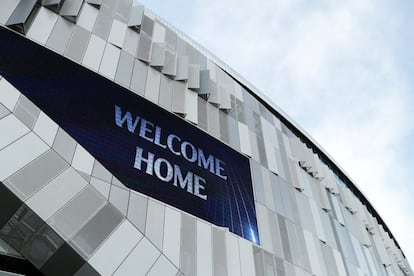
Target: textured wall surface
[65, 213]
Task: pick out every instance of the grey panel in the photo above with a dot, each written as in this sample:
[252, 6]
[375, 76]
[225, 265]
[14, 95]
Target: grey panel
[7, 8]
[285, 239]
[202, 114]
[61, 33]
[131, 42]
[96, 230]
[224, 127]
[124, 70]
[170, 39]
[103, 22]
[147, 25]
[329, 260]
[205, 84]
[269, 266]
[219, 252]
[144, 48]
[178, 100]
[119, 198]
[234, 138]
[22, 16]
[157, 55]
[170, 64]
[182, 68]
[240, 111]
[64, 145]
[166, 92]
[275, 234]
[77, 212]
[280, 267]
[181, 48]
[3, 111]
[188, 251]
[78, 44]
[258, 261]
[139, 77]
[123, 10]
[284, 160]
[137, 211]
[136, 16]
[258, 187]
[70, 9]
[9, 204]
[26, 111]
[28, 180]
[101, 172]
[194, 76]
[213, 120]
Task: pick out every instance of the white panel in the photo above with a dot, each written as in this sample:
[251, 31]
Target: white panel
[20, 153]
[110, 61]
[287, 145]
[204, 250]
[57, 193]
[154, 225]
[339, 263]
[264, 228]
[385, 260]
[87, 17]
[245, 146]
[238, 91]
[117, 34]
[8, 94]
[117, 247]
[338, 209]
[11, 129]
[140, 260]
[82, 160]
[102, 186]
[152, 88]
[158, 34]
[233, 260]
[270, 203]
[246, 257]
[318, 221]
[211, 66]
[171, 247]
[163, 267]
[46, 128]
[94, 52]
[312, 253]
[158, 54]
[43, 25]
[225, 100]
[191, 106]
[7, 7]
[182, 68]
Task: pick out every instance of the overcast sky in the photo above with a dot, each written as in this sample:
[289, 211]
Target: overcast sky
[342, 69]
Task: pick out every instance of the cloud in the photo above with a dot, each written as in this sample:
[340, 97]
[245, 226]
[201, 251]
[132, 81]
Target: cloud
[339, 69]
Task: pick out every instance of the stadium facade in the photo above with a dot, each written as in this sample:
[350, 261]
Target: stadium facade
[128, 149]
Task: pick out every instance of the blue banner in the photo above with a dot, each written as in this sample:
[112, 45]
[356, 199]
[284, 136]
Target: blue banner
[146, 147]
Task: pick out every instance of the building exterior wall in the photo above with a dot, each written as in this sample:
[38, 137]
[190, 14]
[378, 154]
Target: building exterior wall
[66, 213]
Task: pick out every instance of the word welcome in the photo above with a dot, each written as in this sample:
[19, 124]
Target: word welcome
[163, 169]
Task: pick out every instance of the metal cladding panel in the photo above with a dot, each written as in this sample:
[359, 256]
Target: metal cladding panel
[147, 148]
